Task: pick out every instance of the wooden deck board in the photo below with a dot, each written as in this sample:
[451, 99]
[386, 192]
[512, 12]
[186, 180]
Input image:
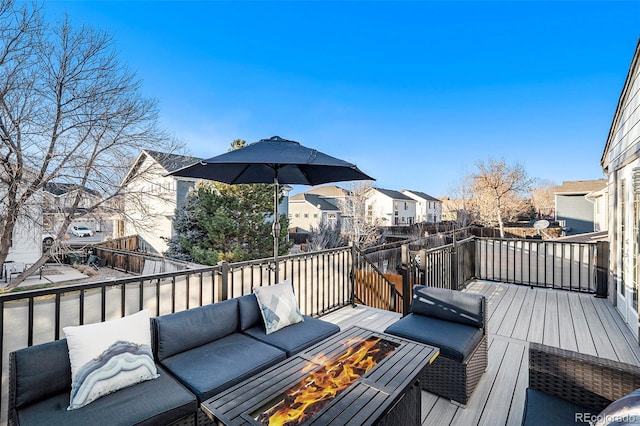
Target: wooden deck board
[565, 323]
[584, 338]
[536, 327]
[517, 315]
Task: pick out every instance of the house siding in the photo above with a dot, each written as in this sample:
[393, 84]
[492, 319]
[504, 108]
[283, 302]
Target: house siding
[620, 157]
[577, 211]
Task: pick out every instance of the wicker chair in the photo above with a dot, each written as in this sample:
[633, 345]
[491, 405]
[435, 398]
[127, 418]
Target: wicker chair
[455, 322]
[575, 381]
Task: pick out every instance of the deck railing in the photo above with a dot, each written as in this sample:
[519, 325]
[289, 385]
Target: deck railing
[537, 263]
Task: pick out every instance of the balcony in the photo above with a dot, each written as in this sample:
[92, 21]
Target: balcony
[556, 306]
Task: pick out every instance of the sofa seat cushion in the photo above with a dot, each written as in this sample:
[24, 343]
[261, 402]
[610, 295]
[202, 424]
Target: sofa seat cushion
[296, 337]
[160, 401]
[456, 341]
[543, 409]
[212, 368]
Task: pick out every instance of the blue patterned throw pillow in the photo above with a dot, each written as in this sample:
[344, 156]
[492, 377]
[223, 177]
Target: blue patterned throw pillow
[109, 356]
[278, 306]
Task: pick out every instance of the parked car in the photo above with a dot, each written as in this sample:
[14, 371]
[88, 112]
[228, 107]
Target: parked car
[81, 231]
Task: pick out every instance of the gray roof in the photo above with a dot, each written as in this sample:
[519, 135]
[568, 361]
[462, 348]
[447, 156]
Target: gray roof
[59, 188]
[422, 195]
[320, 202]
[396, 195]
[172, 162]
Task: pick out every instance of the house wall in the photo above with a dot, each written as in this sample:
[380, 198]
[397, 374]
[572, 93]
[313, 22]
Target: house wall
[600, 213]
[306, 216]
[577, 211]
[150, 204]
[303, 215]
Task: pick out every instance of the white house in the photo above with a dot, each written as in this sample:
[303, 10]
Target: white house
[151, 197]
[390, 208]
[428, 208]
[308, 211]
[26, 240]
[621, 164]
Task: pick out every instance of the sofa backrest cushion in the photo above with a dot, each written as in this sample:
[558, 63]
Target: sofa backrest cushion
[250, 315]
[449, 305]
[41, 372]
[181, 331]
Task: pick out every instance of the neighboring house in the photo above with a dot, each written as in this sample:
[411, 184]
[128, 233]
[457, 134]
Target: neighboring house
[428, 208]
[57, 200]
[389, 208]
[621, 164]
[26, 241]
[575, 210]
[151, 197]
[307, 211]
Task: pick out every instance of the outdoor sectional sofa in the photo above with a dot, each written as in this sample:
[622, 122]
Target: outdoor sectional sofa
[198, 352]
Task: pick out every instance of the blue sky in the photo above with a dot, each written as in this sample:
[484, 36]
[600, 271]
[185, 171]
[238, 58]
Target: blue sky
[414, 93]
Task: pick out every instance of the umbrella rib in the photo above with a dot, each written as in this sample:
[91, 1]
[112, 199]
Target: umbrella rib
[235, 180]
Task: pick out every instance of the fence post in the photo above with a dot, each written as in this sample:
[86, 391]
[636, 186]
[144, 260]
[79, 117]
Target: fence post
[406, 290]
[602, 266]
[454, 264]
[224, 280]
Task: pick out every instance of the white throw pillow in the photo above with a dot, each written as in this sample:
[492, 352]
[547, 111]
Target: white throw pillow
[108, 356]
[278, 306]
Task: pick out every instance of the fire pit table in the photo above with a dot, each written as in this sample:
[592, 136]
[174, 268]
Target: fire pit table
[357, 376]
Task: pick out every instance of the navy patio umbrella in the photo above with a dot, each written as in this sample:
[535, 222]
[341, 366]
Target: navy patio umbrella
[278, 161]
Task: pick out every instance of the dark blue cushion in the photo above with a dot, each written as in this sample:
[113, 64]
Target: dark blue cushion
[455, 340]
[195, 327]
[214, 367]
[160, 401]
[543, 409]
[295, 337]
[42, 371]
[448, 305]
[250, 315]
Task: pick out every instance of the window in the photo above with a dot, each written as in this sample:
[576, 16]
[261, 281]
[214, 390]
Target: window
[315, 215]
[306, 215]
[297, 215]
[406, 205]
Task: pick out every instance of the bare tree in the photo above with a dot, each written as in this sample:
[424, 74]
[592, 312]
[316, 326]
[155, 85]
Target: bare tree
[357, 225]
[543, 199]
[498, 191]
[69, 112]
[326, 235]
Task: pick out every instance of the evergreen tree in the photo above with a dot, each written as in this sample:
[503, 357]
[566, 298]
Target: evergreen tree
[226, 222]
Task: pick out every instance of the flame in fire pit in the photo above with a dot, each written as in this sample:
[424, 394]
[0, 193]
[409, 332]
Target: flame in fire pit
[310, 395]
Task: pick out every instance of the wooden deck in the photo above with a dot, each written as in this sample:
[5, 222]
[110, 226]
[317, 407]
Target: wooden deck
[517, 315]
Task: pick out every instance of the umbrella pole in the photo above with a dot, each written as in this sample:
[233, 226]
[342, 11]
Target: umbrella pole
[275, 229]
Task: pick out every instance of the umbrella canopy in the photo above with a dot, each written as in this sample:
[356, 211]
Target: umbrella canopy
[274, 158]
[278, 161]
